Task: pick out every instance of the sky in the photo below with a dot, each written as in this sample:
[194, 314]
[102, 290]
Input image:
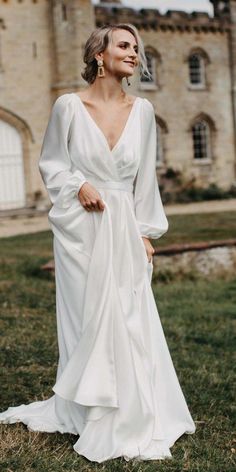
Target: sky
[164, 5]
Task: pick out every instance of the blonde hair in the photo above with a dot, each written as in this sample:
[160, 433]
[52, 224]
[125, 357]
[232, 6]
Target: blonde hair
[97, 42]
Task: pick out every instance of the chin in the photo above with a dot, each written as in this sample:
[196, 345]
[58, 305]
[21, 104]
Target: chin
[129, 74]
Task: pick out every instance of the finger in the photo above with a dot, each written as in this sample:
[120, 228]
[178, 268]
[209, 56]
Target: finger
[96, 206]
[92, 207]
[101, 205]
[87, 206]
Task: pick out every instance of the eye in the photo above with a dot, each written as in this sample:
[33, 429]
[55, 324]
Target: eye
[125, 46]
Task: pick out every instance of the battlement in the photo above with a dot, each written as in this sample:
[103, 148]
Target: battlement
[152, 19]
[14, 2]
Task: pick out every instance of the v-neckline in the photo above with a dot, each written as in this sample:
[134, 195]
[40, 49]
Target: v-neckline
[99, 129]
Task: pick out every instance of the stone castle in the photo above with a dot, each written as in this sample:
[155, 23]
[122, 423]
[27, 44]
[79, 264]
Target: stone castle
[192, 59]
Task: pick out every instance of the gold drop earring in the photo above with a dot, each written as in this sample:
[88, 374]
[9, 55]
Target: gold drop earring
[101, 71]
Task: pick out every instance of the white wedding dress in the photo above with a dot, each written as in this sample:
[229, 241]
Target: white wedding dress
[116, 386]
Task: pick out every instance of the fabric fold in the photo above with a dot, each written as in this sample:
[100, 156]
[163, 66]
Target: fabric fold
[115, 374]
[148, 205]
[81, 381]
[69, 190]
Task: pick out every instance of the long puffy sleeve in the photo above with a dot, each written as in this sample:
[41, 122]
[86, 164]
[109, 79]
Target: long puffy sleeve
[55, 163]
[148, 205]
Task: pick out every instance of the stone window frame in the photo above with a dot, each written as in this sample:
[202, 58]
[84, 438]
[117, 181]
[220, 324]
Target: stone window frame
[162, 131]
[64, 11]
[2, 27]
[204, 62]
[156, 61]
[196, 70]
[27, 138]
[211, 130]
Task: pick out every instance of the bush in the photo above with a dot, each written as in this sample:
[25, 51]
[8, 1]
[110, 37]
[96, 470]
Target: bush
[175, 189]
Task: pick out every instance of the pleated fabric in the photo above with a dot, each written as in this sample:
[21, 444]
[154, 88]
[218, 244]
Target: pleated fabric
[116, 386]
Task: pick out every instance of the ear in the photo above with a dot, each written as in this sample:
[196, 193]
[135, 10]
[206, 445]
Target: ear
[99, 56]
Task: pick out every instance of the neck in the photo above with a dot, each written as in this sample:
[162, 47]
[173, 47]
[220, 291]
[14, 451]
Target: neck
[107, 89]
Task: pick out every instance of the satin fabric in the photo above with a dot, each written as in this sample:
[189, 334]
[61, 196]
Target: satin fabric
[116, 386]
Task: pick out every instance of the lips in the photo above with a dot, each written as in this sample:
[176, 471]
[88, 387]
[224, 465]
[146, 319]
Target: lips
[129, 62]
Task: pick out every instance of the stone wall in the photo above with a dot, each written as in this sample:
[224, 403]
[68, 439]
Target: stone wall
[173, 36]
[213, 262]
[177, 105]
[35, 67]
[25, 77]
[41, 58]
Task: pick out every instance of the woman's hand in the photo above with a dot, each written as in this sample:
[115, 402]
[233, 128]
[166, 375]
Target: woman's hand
[149, 248]
[90, 198]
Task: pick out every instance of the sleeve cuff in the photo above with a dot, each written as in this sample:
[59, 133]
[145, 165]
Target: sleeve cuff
[69, 191]
[152, 231]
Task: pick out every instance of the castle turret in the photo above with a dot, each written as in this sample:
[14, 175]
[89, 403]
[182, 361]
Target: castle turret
[72, 21]
[221, 7]
[226, 10]
[232, 11]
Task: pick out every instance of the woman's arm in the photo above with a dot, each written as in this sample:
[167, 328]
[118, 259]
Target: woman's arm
[149, 209]
[54, 163]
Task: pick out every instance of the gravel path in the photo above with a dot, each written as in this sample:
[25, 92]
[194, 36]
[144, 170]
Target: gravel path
[28, 223]
[210, 206]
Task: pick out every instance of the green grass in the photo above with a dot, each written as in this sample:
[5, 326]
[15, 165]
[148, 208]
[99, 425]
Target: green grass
[194, 228]
[198, 320]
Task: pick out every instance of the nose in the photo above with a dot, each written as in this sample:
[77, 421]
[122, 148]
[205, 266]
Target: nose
[132, 55]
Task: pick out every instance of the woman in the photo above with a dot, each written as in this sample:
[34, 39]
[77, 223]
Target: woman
[116, 385]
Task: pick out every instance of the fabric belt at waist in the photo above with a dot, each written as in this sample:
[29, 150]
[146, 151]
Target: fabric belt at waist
[111, 184]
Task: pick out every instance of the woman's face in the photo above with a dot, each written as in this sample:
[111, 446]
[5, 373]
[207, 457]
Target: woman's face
[121, 55]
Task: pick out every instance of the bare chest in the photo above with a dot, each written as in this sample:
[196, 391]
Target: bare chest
[110, 119]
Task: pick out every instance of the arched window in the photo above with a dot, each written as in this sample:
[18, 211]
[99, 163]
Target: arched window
[201, 140]
[12, 182]
[160, 151]
[153, 61]
[162, 130]
[2, 26]
[64, 11]
[197, 60]
[196, 70]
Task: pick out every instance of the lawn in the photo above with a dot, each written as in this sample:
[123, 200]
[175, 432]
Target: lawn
[198, 320]
[194, 228]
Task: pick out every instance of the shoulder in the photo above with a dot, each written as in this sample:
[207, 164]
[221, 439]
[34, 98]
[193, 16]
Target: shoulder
[62, 102]
[148, 105]
[148, 112]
